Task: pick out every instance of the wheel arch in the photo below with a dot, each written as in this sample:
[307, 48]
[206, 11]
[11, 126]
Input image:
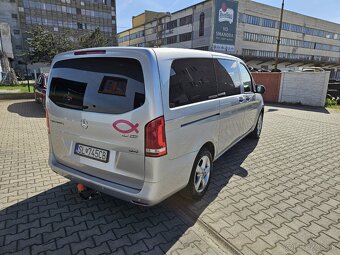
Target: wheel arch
[210, 147]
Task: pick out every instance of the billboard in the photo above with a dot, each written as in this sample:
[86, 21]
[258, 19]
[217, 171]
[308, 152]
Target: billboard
[225, 25]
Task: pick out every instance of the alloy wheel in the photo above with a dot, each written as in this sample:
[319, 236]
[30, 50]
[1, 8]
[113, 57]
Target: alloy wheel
[202, 174]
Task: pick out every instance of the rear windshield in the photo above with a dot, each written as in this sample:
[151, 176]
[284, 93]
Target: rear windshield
[104, 85]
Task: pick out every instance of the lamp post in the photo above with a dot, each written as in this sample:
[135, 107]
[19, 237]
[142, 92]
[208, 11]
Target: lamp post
[279, 37]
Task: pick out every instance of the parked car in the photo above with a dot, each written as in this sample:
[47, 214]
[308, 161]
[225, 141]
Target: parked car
[40, 89]
[141, 124]
[313, 70]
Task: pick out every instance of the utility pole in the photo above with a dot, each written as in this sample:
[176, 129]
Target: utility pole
[279, 37]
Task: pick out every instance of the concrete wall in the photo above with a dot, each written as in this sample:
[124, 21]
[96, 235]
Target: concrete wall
[8, 8]
[305, 88]
[272, 82]
[202, 41]
[294, 87]
[6, 40]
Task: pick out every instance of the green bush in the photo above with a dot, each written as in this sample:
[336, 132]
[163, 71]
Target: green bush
[330, 102]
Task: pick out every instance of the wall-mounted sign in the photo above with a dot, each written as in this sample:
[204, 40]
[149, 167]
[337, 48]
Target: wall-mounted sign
[225, 25]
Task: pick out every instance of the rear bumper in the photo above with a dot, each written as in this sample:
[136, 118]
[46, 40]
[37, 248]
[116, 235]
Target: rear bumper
[168, 180]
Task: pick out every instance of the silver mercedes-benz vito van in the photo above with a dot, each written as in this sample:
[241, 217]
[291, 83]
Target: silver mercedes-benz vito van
[143, 123]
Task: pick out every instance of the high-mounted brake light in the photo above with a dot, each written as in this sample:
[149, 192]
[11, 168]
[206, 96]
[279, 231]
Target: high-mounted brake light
[155, 141]
[47, 122]
[86, 52]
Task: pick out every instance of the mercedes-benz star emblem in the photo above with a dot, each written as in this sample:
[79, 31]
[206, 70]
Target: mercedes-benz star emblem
[84, 124]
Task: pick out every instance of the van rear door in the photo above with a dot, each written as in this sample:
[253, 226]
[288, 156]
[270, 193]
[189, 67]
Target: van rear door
[98, 109]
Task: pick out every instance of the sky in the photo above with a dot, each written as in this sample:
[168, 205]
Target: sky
[323, 9]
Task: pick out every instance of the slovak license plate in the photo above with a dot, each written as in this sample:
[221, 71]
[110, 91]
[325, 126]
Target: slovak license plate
[92, 152]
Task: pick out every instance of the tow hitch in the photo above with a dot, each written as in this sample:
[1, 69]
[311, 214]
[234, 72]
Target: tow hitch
[86, 193]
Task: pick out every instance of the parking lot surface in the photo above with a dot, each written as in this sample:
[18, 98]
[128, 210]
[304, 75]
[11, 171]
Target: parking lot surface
[278, 195]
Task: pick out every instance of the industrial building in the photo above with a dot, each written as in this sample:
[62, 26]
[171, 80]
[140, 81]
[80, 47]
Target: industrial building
[78, 16]
[243, 28]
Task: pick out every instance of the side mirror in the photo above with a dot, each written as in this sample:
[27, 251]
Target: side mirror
[260, 89]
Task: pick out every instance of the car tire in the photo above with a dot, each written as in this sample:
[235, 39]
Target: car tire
[200, 176]
[258, 129]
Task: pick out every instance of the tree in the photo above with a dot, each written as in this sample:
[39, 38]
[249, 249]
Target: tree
[94, 39]
[43, 44]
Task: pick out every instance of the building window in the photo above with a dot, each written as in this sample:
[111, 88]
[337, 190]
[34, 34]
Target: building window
[296, 28]
[201, 24]
[16, 31]
[284, 55]
[171, 24]
[80, 25]
[289, 42]
[185, 37]
[285, 26]
[185, 20]
[14, 16]
[253, 20]
[171, 39]
[268, 23]
[245, 18]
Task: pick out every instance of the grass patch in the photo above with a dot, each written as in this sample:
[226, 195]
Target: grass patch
[332, 104]
[337, 107]
[21, 87]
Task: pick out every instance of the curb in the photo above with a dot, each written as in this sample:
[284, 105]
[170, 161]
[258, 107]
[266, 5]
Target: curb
[9, 96]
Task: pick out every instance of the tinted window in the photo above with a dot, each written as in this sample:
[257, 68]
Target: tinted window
[105, 85]
[246, 79]
[228, 77]
[191, 80]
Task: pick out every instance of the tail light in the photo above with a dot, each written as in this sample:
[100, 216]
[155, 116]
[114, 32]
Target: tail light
[87, 52]
[47, 122]
[155, 141]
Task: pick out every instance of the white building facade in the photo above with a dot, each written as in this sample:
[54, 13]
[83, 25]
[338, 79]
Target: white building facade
[246, 29]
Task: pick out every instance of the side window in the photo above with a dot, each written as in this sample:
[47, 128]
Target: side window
[228, 77]
[246, 79]
[191, 80]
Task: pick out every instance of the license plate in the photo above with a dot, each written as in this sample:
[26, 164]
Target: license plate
[92, 152]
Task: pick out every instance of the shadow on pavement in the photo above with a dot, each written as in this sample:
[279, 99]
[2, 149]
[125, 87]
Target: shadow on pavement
[227, 166]
[272, 110]
[297, 107]
[29, 109]
[59, 221]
